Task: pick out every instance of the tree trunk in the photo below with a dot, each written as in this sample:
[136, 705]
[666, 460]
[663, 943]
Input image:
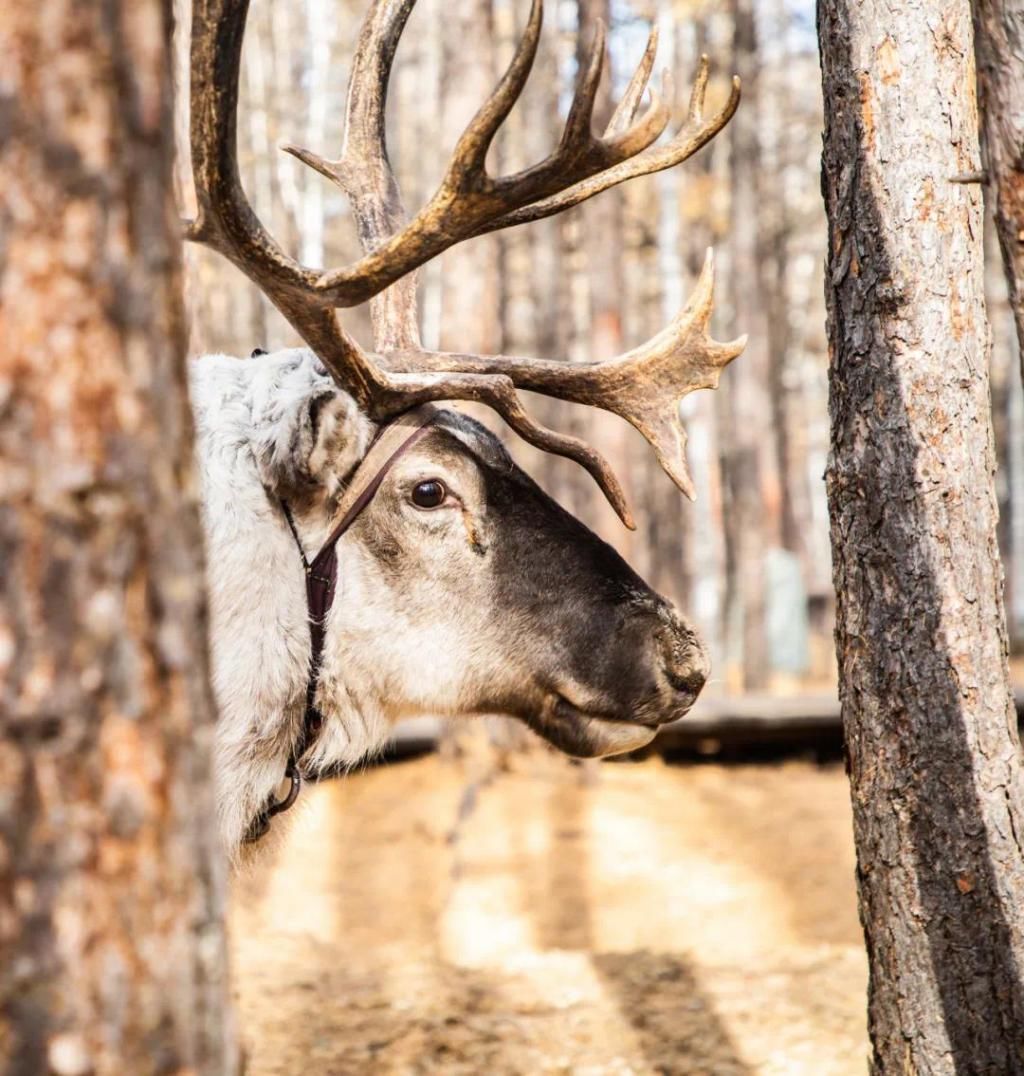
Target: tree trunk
[999, 41]
[469, 312]
[111, 890]
[931, 736]
[751, 472]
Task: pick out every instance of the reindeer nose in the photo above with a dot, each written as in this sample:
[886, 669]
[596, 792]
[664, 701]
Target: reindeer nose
[684, 661]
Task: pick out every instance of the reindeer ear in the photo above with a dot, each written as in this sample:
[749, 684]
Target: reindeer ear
[310, 442]
[339, 435]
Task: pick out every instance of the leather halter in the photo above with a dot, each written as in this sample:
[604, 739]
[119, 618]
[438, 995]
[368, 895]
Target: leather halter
[321, 572]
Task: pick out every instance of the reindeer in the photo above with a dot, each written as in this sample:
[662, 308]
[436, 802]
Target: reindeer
[461, 587]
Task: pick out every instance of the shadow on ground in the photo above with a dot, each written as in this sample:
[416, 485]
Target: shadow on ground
[590, 920]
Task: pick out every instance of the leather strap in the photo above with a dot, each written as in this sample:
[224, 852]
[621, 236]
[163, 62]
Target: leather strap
[391, 442]
[322, 572]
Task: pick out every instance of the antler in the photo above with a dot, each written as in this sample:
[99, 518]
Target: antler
[644, 386]
[469, 201]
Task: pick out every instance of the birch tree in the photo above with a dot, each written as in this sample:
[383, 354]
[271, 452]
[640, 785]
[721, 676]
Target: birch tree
[930, 726]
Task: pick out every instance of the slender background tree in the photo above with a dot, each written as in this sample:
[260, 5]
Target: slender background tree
[111, 889]
[999, 44]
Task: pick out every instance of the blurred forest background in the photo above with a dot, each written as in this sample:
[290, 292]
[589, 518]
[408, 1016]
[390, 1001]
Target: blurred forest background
[749, 560]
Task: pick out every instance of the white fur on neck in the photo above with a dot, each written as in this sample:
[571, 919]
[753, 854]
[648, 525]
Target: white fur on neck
[260, 642]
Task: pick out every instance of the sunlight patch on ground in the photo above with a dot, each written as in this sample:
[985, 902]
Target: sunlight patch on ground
[592, 920]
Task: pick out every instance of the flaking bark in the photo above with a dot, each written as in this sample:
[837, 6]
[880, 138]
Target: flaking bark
[111, 945]
[931, 736]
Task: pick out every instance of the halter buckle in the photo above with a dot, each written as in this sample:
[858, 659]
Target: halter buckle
[261, 823]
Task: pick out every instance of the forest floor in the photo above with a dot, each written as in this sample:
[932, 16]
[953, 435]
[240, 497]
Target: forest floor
[440, 916]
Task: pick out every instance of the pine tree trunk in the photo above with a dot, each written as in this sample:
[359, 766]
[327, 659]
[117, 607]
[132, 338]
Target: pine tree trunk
[999, 31]
[111, 945]
[931, 737]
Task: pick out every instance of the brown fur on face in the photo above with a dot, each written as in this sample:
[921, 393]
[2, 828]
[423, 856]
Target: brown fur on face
[500, 601]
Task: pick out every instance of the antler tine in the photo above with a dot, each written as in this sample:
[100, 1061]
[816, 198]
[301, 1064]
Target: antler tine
[365, 142]
[644, 386]
[225, 219]
[578, 124]
[700, 85]
[497, 392]
[692, 136]
[626, 110]
[467, 168]
[580, 153]
[363, 170]
[468, 202]
[467, 165]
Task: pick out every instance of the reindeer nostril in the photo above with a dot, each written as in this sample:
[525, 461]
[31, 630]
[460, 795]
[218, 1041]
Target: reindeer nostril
[682, 658]
[685, 667]
[686, 682]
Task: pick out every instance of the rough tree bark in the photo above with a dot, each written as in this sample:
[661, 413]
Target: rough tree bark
[999, 44]
[111, 946]
[932, 747]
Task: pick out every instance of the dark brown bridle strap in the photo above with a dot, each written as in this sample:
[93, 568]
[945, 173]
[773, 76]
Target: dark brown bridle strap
[391, 442]
[322, 571]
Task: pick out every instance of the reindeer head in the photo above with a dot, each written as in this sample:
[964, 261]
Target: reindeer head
[463, 588]
[492, 598]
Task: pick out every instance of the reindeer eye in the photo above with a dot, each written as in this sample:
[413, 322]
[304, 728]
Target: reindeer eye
[429, 494]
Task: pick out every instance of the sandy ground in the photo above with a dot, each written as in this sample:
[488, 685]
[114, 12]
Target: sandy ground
[437, 916]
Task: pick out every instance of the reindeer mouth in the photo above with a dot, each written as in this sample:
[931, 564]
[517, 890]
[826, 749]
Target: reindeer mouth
[587, 735]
